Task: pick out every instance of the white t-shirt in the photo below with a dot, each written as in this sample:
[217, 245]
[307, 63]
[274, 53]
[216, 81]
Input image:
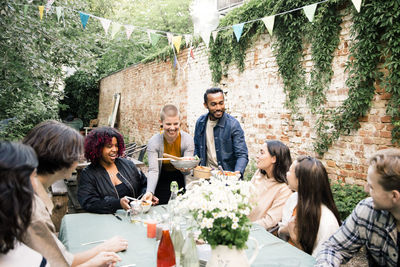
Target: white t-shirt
[328, 225]
[287, 213]
[22, 256]
[211, 153]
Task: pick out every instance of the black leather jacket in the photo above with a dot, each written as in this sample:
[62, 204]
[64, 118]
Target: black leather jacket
[97, 194]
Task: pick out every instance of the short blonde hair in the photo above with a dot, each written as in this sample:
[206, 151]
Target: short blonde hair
[387, 164]
[169, 110]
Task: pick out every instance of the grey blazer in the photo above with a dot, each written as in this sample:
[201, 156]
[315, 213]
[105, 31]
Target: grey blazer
[155, 149]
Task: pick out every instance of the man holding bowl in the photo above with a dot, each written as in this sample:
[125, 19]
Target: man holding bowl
[218, 137]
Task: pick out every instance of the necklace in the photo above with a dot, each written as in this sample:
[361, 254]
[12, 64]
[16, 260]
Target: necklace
[128, 184]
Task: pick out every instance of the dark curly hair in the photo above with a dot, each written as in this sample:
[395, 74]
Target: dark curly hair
[57, 146]
[98, 138]
[17, 162]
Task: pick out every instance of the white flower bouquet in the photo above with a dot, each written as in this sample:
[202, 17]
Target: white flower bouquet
[220, 208]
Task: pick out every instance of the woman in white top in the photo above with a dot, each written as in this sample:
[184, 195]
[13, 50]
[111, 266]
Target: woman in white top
[315, 218]
[17, 165]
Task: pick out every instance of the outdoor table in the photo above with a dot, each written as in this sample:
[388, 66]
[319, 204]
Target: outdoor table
[80, 228]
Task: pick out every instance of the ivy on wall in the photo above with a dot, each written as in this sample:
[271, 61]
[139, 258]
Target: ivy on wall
[376, 34]
[375, 48]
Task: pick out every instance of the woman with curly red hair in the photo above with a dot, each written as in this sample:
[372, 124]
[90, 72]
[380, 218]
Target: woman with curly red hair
[104, 184]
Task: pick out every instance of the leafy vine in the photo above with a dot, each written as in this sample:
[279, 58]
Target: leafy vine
[372, 45]
[376, 31]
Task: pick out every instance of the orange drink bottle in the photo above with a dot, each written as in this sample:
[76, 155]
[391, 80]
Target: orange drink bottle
[165, 253]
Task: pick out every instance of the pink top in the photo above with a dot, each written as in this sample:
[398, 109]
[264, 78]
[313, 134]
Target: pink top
[268, 200]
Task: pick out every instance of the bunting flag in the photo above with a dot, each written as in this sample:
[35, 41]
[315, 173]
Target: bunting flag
[169, 37]
[84, 19]
[175, 61]
[357, 4]
[205, 35]
[191, 52]
[238, 29]
[41, 9]
[25, 9]
[128, 30]
[310, 11]
[176, 41]
[269, 23]
[188, 39]
[48, 5]
[115, 29]
[59, 11]
[153, 37]
[105, 23]
[214, 35]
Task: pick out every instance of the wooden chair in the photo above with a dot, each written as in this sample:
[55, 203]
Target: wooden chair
[92, 124]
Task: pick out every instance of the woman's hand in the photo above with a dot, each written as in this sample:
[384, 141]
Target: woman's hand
[115, 244]
[124, 203]
[292, 227]
[103, 259]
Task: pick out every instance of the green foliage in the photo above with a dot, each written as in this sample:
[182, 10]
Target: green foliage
[222, 233]
[347, 197]
[32, 54]
[373, 29]
[389, 21]
[164, 15]
[375, 47]
[250, 170]
[226, 48]
[324, 37]
[81, 95]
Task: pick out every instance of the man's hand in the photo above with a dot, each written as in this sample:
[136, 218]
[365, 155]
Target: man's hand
[185, 170]
[150, 197]
[124, 203]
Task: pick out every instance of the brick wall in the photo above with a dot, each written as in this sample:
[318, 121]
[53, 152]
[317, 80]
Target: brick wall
[255, 97]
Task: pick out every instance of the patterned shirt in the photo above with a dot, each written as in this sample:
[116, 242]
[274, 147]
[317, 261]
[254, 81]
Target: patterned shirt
[376, 229]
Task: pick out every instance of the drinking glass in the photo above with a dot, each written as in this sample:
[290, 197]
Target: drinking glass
[136, 210]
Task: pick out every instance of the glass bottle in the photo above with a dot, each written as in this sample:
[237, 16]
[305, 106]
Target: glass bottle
[177, 240]
[165, 253]
[189, 252]
[174, 191]
[172, 199]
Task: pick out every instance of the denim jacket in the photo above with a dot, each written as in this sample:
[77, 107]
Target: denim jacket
[230, 144]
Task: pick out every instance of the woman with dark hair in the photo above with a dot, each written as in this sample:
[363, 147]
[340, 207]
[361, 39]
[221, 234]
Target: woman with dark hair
[17, 165]
[58, 148]
[271, 190]
[104, 184]
[315, 218]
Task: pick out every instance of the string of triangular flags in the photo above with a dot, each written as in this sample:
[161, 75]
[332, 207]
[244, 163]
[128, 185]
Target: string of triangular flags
[309, 11]
[153, 35]
[174, 39]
